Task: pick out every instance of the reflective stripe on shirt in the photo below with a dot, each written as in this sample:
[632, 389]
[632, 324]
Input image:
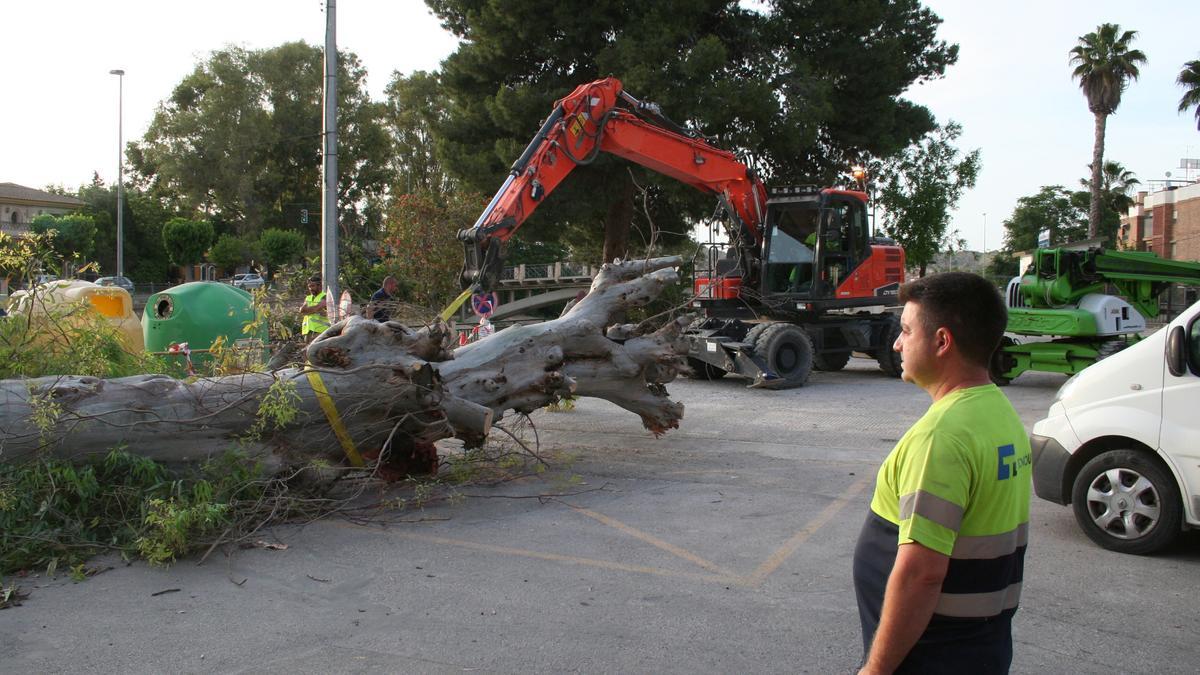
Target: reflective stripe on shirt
[963, 605]
[931, 507]
[991, 546]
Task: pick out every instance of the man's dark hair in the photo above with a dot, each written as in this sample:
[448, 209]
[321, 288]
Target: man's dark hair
[965, 304]
[314, 279]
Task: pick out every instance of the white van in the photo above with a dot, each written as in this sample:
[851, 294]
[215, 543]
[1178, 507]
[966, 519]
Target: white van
[1121, 442]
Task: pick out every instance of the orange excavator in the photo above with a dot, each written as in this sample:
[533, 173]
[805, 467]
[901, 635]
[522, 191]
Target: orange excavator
[801, 283]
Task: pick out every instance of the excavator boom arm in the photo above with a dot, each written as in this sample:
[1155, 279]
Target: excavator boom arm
[592, 120]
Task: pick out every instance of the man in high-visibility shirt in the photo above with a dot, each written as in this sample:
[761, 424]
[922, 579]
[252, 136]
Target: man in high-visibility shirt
[313, 310]
[940, 560]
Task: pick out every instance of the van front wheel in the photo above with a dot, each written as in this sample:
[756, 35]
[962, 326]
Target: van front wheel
[1127, 502]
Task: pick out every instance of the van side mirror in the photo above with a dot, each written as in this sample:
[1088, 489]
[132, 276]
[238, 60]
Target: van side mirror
[1193, 346]
[1177, 352]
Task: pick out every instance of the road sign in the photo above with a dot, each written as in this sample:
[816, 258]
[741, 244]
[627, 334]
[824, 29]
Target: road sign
[483, 304]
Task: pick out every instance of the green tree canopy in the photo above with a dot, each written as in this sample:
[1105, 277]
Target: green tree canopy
[231, 252]
[414, 107]
[145, 258]
[1104, 64]
[924, 184]
[187, 240]
[1050, 209]
[419, 243]
[1189, 79]
[280, 247]
[1053, 208]
[240, 137]
[75, 233]
[795, 88]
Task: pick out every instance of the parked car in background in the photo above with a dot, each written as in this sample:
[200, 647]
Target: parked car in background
[119, 282]
[1121, 442]
[248, 281]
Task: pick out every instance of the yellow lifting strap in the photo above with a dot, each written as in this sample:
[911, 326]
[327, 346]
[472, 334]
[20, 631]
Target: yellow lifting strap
[453, 306]
[335, 420]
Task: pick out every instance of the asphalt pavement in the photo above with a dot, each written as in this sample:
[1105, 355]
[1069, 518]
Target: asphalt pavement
[723, 546]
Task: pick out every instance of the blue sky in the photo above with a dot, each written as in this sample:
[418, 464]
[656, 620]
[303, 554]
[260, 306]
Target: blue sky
[1011, 89]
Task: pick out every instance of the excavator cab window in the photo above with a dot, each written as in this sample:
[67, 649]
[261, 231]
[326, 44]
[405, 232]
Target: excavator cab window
[792, 242]
[844, 241]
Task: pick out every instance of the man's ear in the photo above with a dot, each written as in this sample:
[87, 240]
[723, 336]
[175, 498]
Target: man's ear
[943, 340]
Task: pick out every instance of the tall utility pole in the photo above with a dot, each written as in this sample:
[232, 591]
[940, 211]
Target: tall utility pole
[329, 223]
[985, 231]
[120, 170]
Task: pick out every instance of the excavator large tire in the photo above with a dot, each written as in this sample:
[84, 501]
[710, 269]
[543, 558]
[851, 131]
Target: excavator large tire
[888, 358]
[788, 352]
[830, 361]
[756, 330]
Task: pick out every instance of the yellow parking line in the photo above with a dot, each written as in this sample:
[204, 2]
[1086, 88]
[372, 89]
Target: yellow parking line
[789, 547]
[718, 574]
[555, 557]
[654, 541]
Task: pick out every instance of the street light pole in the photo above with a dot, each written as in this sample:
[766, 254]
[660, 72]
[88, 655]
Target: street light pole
[985, 231]
[120, 170]
[329, 144]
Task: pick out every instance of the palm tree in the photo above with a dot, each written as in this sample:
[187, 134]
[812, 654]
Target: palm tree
[1189, 79]
[1104, 64]
[1116, 183]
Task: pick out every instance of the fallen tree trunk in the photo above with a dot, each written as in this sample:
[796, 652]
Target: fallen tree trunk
[396, 390]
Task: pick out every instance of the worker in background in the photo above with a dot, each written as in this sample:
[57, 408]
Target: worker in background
[939, 562]
[314, 321]
[381, 304]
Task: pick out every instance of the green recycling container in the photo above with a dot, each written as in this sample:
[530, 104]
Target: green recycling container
[196, 314]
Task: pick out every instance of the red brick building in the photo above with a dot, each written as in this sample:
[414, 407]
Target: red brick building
[1166, 222]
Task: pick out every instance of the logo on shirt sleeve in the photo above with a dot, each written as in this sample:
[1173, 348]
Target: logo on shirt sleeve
[1006, 464]
[1007, 461]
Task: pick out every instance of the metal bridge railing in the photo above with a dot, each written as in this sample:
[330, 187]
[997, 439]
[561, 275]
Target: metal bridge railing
[547, 273]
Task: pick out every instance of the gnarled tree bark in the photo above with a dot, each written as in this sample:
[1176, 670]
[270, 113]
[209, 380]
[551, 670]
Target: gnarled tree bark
[396, 389]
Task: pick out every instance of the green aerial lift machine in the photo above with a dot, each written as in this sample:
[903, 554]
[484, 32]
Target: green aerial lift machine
[1065, 318]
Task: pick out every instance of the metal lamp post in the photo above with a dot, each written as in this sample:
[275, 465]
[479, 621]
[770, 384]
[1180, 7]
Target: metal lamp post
[329, 144]
[120, 170]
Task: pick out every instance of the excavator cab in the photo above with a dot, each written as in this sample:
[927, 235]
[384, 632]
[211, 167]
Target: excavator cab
[812, 289]
[814, 242]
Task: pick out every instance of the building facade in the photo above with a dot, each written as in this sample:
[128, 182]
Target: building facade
[1166, 222]
[19, 205]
